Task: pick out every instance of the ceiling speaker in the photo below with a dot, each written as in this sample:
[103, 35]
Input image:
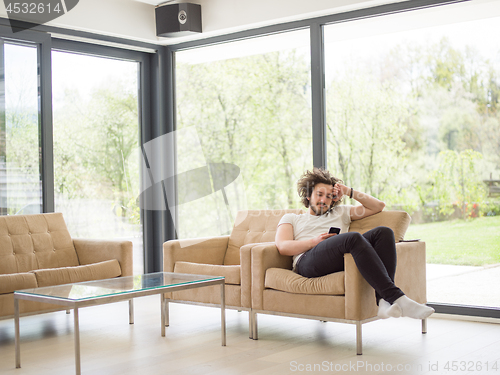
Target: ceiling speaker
[178, 19]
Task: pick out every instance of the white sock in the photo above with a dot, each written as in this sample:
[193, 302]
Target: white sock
[386, 310]
[413, 309]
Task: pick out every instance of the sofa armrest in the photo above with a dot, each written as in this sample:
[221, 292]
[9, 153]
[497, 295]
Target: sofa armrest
[210, 250]
[263, 257]
[94, 251]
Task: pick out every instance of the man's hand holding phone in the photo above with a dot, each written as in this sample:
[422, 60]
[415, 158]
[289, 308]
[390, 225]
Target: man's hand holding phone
[324, 236]
[334, 230]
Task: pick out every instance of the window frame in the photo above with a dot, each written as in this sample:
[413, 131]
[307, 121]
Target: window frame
[157, 102]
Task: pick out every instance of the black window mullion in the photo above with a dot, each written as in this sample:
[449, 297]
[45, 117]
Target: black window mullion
[46, 123]
[318, 96]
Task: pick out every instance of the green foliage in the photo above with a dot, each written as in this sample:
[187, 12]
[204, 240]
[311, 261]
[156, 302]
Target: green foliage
[418, 127]
[457, 183]
[366, 121]
[94, 145]
[253, 112]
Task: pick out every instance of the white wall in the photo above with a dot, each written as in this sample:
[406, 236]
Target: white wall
[134, 19]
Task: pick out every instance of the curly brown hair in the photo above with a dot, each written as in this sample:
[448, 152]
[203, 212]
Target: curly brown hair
[310, 179]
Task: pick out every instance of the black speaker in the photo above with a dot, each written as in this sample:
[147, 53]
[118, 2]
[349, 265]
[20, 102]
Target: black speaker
[178, 19]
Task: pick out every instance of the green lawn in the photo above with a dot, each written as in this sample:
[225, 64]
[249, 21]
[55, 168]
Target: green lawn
[473, 243]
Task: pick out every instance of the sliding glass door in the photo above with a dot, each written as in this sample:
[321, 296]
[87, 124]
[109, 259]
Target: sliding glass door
[413, 117]
[20, 145]
[96, 147]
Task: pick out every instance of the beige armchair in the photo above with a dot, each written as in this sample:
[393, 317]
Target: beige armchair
[227, 256]
[340, 297]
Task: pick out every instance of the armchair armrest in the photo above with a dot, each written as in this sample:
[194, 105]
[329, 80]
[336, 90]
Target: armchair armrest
[410, 278]
[263, 257]
[411, 270]
[94, 251]
[210, 250]
[360, 302]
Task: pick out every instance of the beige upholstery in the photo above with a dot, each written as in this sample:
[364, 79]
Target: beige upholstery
[227, 256]
[67, 275]
[37, 250]
[281, 279]
[343, 296]
[261, 280]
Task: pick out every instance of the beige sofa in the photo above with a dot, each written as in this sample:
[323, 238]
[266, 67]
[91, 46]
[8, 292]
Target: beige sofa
[37, 250]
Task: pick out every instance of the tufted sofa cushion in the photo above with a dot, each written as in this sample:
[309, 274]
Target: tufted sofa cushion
[66, 275]
[30, 242]
[12, 282]
[253, 226]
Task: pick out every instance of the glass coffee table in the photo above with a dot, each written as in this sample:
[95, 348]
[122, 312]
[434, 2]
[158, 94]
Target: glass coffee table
[99, 292]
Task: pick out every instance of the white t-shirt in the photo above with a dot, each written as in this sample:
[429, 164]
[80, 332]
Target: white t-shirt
[307, 226]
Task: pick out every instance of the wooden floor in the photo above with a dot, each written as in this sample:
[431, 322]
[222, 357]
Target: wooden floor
[109, 345]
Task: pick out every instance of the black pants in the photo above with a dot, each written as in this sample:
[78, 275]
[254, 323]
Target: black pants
[374, 253]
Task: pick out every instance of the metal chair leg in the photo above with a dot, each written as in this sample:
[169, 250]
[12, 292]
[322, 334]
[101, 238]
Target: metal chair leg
[253, 324]
[250, 324]
[359, 339]
[424, 326]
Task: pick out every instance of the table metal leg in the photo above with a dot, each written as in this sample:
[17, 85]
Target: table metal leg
[77, 342]
[162, 315]
[223, 312]
[167, 314]
[131, 311]
[17, 335]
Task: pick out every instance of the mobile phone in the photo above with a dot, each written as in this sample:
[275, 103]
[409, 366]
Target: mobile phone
[334, 230]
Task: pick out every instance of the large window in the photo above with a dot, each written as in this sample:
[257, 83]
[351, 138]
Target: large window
[243, 110]
[413, 118]
[96, 147]
[20, 178]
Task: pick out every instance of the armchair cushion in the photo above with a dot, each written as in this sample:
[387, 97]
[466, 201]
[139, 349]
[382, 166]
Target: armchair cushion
[289, 281]
[232, 274]
[252, 226]
[398, 221]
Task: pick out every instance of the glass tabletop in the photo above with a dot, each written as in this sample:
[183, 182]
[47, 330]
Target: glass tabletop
[120, 285]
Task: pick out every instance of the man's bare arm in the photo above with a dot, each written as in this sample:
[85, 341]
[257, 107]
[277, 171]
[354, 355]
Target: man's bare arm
[369, 205]
[288, 246]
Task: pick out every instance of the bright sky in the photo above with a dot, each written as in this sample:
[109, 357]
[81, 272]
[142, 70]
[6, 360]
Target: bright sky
[86, 73]
[475, 23]
[69, 71]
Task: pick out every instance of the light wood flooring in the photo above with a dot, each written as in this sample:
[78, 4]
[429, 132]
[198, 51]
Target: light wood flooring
[109, 345]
